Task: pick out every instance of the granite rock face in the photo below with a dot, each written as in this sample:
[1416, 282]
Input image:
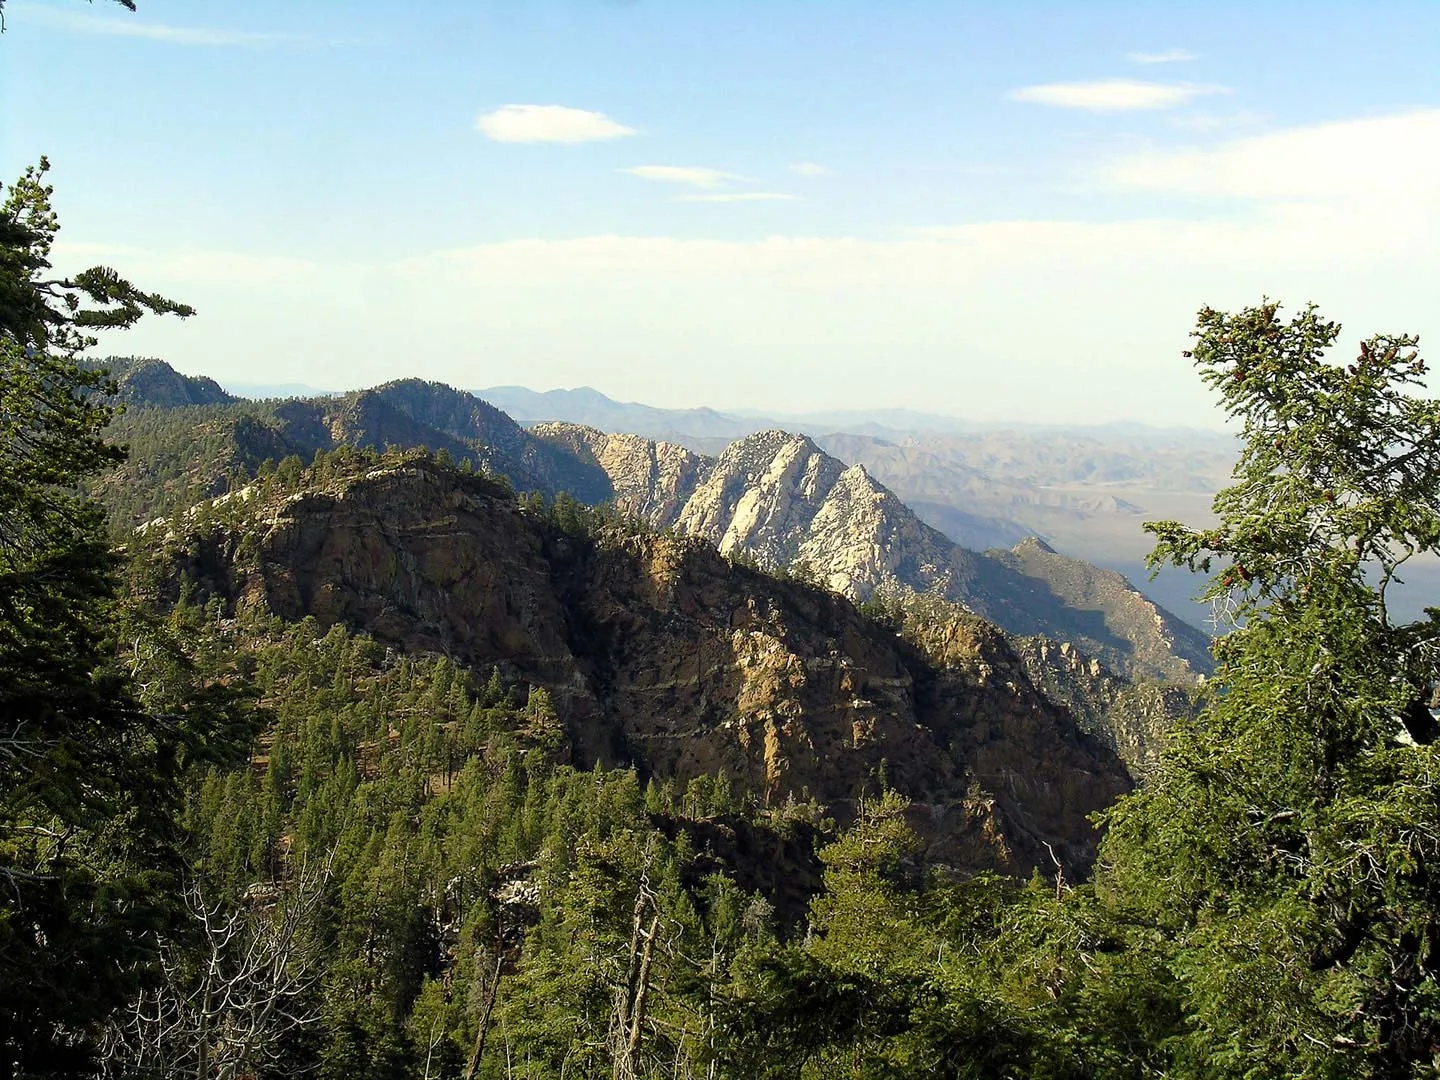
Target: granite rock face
[780, 500]
[1132, 718]
[648, 480]
[660, 651]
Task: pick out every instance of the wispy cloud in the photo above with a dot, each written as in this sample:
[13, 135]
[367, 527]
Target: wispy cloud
[1309, 216]
[810, 169]
[1114, 95]
[77, 23]
[739, 196]
[1207, 122]
[1333, 162]
[1168, 56]
[693, 175]
[548, 124]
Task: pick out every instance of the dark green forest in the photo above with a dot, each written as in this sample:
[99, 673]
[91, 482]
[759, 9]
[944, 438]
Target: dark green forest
[233, 845]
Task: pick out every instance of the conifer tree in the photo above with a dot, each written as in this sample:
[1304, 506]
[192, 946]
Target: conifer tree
[87, 775]
[1287, 854]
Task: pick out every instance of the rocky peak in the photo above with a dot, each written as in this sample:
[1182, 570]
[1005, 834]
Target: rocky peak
[1033, 545]
[761, 496]
[778, 498]
[151, 383]
[650, 480]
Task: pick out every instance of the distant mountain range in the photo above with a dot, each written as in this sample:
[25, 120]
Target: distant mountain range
[586, 405]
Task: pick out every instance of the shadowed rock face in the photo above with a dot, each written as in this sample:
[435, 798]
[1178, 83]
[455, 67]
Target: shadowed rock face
[781, 500]
[1161, 645]
[649, 480]
[657, 650]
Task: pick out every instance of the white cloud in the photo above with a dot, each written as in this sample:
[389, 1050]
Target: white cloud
[809, 168]
[1105, 305]
[1209, 122]
[1385, 160]
[1168, 56]
[77, 23]
[739, 196]
[1114, 95]
[187, 267]
[548, 124]
[695, 176]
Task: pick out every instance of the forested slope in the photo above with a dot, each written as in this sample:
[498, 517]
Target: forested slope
[658, 652]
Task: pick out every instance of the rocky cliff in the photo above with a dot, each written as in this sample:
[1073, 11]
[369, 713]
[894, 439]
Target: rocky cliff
[781, 500]
[658, 650]
[1132, 718]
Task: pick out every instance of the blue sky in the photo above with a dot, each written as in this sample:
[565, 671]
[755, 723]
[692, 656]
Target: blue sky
[1004, 211]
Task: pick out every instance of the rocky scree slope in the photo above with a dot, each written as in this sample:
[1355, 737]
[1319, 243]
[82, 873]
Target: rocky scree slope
[659, 651]
[781, 500]
[1132, 718]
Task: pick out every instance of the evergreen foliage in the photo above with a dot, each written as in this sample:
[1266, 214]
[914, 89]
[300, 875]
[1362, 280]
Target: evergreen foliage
[1287, 850]
[88, 773]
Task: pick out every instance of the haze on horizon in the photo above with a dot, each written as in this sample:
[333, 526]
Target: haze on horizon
[993, 212]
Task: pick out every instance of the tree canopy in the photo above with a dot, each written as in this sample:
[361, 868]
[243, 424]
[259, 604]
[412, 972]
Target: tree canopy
[1286, 853]
[88, 774]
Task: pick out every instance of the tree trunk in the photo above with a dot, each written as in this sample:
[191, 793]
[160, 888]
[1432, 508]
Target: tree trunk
[490, 994]
[642, 990]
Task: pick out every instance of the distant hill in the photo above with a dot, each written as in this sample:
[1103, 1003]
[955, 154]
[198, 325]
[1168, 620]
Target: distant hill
[182, 450]
[148, 382]
[592, 408]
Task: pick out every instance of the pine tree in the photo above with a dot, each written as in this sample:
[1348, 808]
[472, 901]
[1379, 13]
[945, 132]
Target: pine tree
[87, 775]
[1288, 852]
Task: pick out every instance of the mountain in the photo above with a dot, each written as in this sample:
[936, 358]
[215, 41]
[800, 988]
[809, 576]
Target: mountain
[1084, 489]
[779, 499]
[590, 407]
[658, 651]
[495, 440]
[1132, 718]
[146, 382]
[183, 451]
[776, 498]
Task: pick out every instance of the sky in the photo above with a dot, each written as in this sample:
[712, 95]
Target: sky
[1000, 211]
